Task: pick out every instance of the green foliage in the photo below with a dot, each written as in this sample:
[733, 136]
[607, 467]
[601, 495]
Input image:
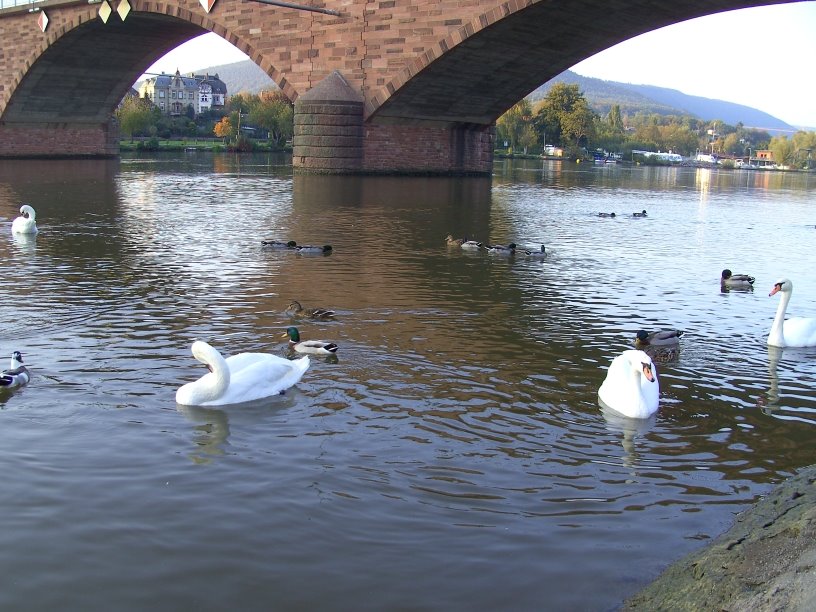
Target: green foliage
[135, 116]
[151, 144]
[515, 127]
[783, 149]
[564, 117]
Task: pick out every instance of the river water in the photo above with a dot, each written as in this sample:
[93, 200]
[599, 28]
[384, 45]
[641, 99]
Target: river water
[454, 455]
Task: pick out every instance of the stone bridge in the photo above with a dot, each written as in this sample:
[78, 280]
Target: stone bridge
[406, 86]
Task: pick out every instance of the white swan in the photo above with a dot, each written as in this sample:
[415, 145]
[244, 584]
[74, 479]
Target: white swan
[17, 375]
[26, 224]
[631, 386]
[241, 378]
[798, 331]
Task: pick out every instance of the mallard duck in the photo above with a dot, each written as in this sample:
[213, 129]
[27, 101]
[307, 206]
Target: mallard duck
[642, 213]
[462, 242]
[662, 346]
[26, 224]
[17, 375]
[279, 244]
[736, 281]
[631, 386]
[318, 347]
[502, 249]
[310, 248]
[296, 310]
[244, 377]
[658, 338]
[796, 331]
[540, 253]
[603, 214]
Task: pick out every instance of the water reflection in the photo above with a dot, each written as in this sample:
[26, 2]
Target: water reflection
[629, 430]
[465, 401]
[210, 432]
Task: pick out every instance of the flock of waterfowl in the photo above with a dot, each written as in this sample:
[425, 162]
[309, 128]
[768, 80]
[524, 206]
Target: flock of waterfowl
[631, 386]
[236, 379]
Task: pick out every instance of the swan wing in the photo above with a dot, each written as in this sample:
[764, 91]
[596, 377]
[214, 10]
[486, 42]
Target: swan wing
[261, 375]
[800, 332]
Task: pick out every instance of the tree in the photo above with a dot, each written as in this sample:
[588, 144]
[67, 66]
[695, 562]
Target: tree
[274, 113]
[564, 117]
[783, 150]
[515, 126]
[223, 129]
[135, 116]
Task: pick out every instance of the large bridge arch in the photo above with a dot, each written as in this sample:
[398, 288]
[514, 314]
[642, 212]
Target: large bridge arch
[415, 85]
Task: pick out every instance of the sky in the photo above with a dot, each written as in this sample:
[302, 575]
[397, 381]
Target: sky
[761, 57]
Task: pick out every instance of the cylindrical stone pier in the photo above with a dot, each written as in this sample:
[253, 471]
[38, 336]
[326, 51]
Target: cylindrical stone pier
[328, 136]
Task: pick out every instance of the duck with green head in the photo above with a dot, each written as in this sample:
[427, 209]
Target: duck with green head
[317, 347]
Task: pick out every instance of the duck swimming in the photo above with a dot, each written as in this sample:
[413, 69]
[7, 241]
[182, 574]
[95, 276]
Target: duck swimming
[631, 386]
[736, 281]
[796, 331]
[502, 249]
[317, 347]
[311, 248]
[540, 253]
[662, 346]
[296, 310]
[279, 244]
[462, 242]
[17, 375]
[607, 215]
[639, 214]
[26, 224]
[244, 377]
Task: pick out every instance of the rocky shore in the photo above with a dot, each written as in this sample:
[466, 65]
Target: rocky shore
[765, 561]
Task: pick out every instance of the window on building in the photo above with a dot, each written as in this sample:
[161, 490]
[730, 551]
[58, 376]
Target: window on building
[161, 95]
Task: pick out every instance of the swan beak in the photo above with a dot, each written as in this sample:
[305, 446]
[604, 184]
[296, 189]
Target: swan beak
[647, 372]
[776, 288]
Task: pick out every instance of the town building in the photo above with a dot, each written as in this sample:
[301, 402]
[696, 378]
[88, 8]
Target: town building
[174, 94]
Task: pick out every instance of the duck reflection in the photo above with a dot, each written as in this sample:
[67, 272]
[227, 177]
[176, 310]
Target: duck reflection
[210, 432]
[630, 430]
[770, 401]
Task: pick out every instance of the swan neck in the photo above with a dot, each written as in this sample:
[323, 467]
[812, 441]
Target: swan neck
[776, 336]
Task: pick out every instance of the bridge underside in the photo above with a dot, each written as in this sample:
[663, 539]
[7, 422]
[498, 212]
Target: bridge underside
[368, 98]
[64, 103]
[477, 80]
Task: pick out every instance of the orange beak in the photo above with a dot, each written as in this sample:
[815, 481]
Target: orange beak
[647, 372]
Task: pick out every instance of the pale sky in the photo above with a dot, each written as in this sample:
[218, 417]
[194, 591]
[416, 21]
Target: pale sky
[762, 57]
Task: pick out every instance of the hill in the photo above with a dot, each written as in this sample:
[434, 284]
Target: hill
[247, 77]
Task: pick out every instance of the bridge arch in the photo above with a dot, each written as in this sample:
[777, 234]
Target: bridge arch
[430, 77]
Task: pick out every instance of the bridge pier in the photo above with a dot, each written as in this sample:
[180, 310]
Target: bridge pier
[43, 140]
[331, 137]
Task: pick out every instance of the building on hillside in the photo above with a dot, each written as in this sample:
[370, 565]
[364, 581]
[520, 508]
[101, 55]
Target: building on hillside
[212, 92]
[175, 94]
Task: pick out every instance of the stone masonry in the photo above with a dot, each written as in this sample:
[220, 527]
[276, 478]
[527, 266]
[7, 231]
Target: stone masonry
[431, 76]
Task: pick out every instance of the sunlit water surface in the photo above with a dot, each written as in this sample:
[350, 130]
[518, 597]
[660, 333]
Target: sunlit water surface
[454, 455]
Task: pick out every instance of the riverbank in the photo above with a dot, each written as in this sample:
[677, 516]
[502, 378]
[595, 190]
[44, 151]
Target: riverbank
[765, 561]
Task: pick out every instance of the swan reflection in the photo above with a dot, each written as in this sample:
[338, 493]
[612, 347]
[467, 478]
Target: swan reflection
[770, 401]
[630, 429]
[210, 431]
[26, 243]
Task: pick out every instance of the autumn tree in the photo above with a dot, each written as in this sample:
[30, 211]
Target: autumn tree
[223, 129]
